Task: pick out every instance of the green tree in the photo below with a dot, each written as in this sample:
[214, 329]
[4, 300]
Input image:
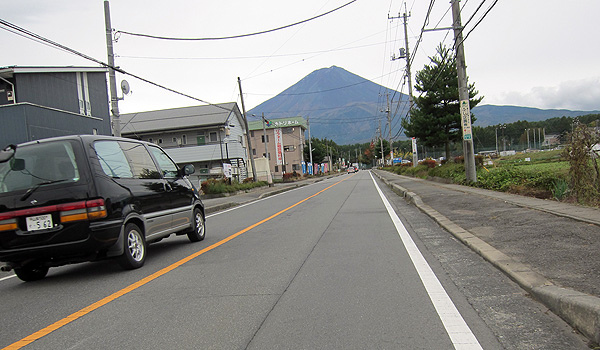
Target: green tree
[319, 149]
[435, 117]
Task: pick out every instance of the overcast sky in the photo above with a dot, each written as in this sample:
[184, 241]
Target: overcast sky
[534, 53]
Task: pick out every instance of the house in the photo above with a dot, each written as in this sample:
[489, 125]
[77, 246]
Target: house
[284, 139]
[41, 102]
[207, 136]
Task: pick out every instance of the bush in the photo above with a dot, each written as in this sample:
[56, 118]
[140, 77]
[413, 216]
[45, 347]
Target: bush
[584, 165]
[216, 186]
[430, 163]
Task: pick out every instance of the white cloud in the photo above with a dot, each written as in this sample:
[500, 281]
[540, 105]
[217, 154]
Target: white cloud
[581, 94]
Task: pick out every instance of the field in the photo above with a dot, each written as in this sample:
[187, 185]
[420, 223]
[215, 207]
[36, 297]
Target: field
[541, 174]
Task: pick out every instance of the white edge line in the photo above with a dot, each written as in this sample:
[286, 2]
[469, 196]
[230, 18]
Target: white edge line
[259, 200]
[459, 332]
[7, 277]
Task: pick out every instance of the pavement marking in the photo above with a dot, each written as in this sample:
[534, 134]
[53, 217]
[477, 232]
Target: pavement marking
[459, 332]
[7, 277]
[86, 310]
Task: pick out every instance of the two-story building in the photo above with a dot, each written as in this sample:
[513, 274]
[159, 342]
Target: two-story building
[207, 136]
[41, 102]
[284, 140]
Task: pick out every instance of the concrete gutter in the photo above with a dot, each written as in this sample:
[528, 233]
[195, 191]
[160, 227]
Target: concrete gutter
[581, 311]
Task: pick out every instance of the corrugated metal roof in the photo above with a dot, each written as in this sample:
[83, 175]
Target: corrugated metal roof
[7, 72]
[176, 118]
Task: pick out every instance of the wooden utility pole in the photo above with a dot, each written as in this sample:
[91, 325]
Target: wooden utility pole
[112, 81]
[463, 95]
[248, 138]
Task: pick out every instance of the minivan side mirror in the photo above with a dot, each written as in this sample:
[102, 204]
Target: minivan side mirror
[17, 164]
[188, 169]
[7, 153]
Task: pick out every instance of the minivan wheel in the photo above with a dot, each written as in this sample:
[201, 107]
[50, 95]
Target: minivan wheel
[135, 248]
[31, 273]
[199, 230]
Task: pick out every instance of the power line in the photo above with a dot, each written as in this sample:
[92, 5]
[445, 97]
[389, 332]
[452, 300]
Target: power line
[36, 37]
[481, 19]
[248, 57]
[235, 36]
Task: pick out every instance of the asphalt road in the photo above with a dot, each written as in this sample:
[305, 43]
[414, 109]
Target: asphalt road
[325, 266]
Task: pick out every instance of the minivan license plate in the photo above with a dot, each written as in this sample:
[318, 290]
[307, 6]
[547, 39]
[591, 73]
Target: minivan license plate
[39, 222]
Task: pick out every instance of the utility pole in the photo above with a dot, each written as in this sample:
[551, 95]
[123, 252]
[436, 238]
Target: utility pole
[265, 136]
[463, 95]
[309, 145]
[405, 53]
[408, 74]
[114, 101]
[389, 117]
[248, 138]
[381, 141]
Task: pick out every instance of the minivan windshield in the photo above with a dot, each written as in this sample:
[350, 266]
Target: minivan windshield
[39, 164]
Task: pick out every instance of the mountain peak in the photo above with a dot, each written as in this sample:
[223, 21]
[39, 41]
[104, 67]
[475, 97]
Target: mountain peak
[341, 104]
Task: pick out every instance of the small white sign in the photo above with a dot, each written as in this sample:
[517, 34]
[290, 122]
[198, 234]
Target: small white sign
[227, 170]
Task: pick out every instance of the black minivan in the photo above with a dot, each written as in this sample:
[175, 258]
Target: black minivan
[82, 198]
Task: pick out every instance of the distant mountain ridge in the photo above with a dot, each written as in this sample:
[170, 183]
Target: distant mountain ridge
[493, 115]
[345, 107]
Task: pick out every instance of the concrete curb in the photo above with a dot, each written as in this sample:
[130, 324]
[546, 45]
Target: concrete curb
[582, 311]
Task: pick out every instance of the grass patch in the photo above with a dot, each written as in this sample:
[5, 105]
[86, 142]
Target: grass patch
[214, 186]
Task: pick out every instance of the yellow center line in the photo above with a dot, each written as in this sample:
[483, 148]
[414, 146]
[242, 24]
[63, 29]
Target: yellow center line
[86, 310]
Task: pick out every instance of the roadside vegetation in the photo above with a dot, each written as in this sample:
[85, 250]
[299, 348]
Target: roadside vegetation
[220, 186]
[571, 174]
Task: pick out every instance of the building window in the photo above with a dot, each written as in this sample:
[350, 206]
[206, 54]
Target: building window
[289, 148]
[276, 168]
[183, 139]
[159, 141]
[150, 140]
[296, 167]
[175, 140]
[201, 140]
[254, 151]
[94, 131]
[212, 136]
[252, 133]
[262, 137]
[287, 130]
[265, 155]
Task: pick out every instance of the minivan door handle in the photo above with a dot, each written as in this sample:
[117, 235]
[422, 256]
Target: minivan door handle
[168, 187]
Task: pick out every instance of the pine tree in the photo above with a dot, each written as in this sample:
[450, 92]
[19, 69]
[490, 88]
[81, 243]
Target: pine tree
[435, 117]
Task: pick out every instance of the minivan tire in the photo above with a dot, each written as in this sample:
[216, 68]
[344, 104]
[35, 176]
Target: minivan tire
[198, 231]
[134, 245]
[31, 273]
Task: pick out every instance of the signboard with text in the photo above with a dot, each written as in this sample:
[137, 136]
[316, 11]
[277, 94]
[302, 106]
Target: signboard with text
[278, 146]
[465, 116]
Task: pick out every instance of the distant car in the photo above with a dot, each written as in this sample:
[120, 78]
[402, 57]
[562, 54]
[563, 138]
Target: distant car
[82, 198]
[352, 169]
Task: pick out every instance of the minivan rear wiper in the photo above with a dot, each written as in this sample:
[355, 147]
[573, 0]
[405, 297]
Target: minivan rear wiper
[36, 186]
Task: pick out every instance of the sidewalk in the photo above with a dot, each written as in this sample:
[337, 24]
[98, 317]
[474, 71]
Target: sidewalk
[212, 205]
[549, 248]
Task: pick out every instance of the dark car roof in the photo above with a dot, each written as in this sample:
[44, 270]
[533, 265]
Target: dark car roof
[84, 138]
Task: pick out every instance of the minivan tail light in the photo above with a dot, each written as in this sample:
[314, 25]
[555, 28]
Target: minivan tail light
[69, 212]
[96, 209]
[78, 211]
[7, 225]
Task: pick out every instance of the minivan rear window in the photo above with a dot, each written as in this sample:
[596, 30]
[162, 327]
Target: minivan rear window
[39, 164]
